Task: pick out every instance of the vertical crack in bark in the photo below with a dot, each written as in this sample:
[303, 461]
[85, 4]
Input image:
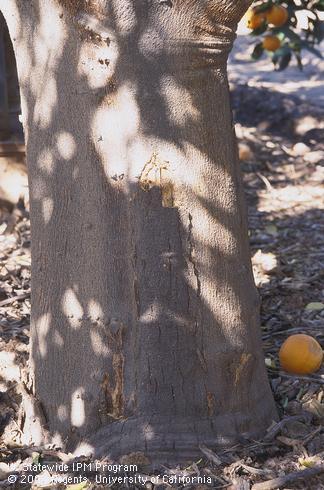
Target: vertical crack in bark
[135, 282]
[137, 298]
[190, 256]
[136, 302]
[202, 360]
[169, 267]
[191, 259]
[210, 403]
[244, 360]
[182, 378]
[149, 370]
[114, 388]
[156, 174]
[173, 394]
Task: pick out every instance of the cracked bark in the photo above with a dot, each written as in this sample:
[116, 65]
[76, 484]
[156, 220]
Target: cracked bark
[157, 245]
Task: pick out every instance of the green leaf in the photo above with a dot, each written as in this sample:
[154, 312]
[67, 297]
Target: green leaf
[78, 486]
[319, 6]
[35, 457]
[314, 306]
[270, 362]
[271, 230]
[284, 401]
[284, 61]
[318, 31]
[280, 53]
[257, 51]
[263, 7]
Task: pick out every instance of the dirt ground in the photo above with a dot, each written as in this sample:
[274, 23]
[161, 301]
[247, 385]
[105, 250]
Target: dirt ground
[281, 147]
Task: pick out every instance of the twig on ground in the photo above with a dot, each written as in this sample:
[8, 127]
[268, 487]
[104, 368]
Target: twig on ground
[291, 477]
[276, 428]
[18, 297]
[210, 455]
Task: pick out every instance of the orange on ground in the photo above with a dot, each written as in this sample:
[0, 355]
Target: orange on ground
[300, 354]
[255, 20]
[277, 15]
[271, 43]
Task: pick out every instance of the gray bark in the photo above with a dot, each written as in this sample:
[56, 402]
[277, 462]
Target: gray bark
[145, 318]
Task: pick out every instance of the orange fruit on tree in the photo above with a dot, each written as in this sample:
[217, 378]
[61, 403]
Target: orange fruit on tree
[277, 15]
[255, 20]
[300, 354]
[271, 43]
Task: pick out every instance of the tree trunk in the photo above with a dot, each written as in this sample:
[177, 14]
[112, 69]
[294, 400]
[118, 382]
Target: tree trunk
[145, 318]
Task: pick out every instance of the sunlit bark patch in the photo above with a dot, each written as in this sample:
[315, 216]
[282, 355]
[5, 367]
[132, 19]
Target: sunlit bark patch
[72, 308]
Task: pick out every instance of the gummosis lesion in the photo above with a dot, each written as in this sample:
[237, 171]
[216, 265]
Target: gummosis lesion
[112, 385]
[156, 173]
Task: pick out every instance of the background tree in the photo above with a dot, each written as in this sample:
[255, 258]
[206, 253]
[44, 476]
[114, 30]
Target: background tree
[276, 22]
[145, 319]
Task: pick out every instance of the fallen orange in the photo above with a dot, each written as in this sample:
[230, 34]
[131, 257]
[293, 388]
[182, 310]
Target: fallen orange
[300, 354]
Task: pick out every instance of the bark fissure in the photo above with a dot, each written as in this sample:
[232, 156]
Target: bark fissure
[191, 255]
[113, 383]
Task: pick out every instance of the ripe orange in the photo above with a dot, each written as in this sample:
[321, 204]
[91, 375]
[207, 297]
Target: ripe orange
[300, 354]
[271, 43]
[277, 15]
[255, 20]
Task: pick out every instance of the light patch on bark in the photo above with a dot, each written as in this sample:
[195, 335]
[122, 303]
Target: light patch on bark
[77, 408]
[72, 308]
[98, 345]
[148, 432]
[151, 314]
[95, 310]
[26, 67]
[62, 413]
[45, 161]
[50, 35]
[42, 327]
[66, 145]
[38, 188]
[114, 128]
[48, 41]
[58, 339]
[46, 101]
[96, 63]
[47, 208]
